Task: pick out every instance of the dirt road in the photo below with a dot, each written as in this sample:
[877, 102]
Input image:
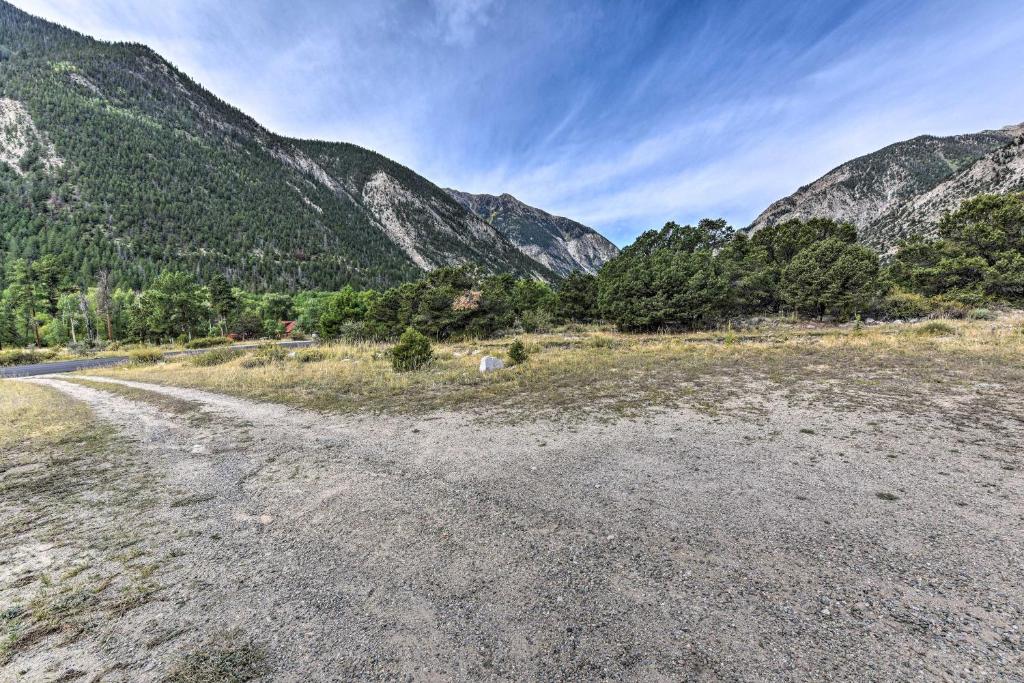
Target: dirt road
[792, 543]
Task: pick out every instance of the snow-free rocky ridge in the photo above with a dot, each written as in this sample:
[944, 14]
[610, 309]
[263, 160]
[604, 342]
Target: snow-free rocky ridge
[563, 245]
[905, 188]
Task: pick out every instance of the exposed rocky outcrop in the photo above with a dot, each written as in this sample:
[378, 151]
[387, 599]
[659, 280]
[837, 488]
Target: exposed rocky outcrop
[563, 245]
[905, 187]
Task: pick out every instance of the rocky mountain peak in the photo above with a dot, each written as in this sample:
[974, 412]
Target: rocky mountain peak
[559, 243]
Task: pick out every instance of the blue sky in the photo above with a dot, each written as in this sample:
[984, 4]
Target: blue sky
[620, 115]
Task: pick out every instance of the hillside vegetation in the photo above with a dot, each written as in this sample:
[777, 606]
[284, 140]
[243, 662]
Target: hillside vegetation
[122, 163]
[678, 278]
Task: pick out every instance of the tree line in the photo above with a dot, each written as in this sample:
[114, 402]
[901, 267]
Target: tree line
[679, 277]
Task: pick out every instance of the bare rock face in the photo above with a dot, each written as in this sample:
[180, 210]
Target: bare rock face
[21, 143]
[561, 244]
[490, 364]
[905, 188]
[999, 172]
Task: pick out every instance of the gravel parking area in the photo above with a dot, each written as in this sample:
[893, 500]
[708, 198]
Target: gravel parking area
[778, 542]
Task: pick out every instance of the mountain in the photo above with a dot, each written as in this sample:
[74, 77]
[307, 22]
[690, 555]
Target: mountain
[904, 188]
[998, 172]
[117, 160]
[560, 244]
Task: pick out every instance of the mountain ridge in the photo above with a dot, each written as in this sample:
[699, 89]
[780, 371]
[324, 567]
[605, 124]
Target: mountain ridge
[120, 161]
[560, 243]
[876, 191]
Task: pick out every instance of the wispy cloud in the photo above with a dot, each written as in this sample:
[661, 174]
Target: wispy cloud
[621, 114]
[460, 20]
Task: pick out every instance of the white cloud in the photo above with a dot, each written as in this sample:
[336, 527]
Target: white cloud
[604, 116]
[460, 20]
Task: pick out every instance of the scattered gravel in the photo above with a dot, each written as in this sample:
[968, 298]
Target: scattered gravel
[790, 543]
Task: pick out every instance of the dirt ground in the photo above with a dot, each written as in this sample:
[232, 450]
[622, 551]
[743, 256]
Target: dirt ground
[783, 541]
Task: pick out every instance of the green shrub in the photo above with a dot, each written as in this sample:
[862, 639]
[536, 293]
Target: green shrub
[145, 356]
[310, 355]
[981, 314]
[215, 357]
[207, 342]
[536, 320]
[858, 325]
[907, 305]
[730, 336]
[935, 328]
[264, 355]
[354, 330]
[25, 357]
[412, 351]
[78, 349]
[950, 308]
[517, 353]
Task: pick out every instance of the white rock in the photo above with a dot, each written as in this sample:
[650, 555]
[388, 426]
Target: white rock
[490, 364]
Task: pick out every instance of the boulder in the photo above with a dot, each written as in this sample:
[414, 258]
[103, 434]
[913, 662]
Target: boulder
[490, 364]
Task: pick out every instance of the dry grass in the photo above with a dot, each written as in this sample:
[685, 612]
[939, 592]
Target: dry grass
[35, 418]
[67, 485]
[167, 404]
[599, 370]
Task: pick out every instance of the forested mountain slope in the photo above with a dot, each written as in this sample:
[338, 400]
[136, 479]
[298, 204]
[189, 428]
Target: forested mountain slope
[559, 243]
[118, 160]
[875, 192]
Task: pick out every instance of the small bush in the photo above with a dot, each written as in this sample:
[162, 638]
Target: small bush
[24, 357]
[730, 336]
[264, 355]
[412, 351]
[950, 308]
[935, 328]
[78, 348]
[536, 320]
[981, 314]
[517, 353]
[354, 330]
[207, 342]
[907, 305]
[297, 336]
[215, 357]
[600, 341]
[145, 356]
[310, 355]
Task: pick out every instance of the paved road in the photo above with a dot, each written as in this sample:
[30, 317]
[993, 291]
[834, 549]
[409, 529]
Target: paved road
[91, 363]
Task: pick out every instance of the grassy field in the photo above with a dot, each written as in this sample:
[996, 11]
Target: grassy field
[594, 370]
